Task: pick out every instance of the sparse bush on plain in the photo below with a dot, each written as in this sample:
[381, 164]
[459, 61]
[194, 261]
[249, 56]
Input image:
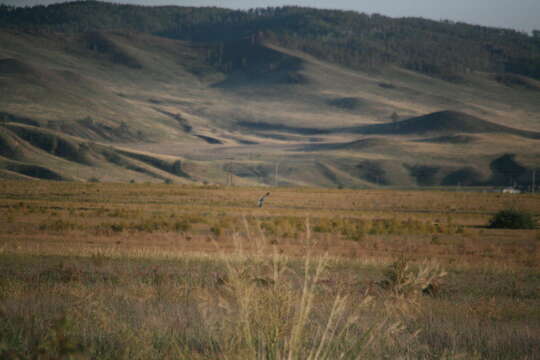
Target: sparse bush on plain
[216, 230]
[58, 225]
[512, 219]
[405, 280]
[117, 227]
[182, 226]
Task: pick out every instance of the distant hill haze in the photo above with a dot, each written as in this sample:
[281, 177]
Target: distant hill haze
[280, 96]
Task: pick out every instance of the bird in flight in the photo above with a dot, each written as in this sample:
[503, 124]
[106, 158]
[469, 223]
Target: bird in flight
[261, 200]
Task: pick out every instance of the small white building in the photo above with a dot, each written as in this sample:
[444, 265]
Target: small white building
[511, 190]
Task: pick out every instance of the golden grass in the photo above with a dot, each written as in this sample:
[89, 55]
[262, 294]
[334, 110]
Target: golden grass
[164, 271]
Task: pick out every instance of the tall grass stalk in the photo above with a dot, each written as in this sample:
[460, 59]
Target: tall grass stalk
[278, 311]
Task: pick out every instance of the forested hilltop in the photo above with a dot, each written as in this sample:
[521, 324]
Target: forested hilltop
[441, 49]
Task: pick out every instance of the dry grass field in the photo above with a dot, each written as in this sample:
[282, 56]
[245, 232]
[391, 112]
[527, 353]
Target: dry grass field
[146, 271]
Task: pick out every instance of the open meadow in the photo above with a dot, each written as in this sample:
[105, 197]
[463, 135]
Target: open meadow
[152, 271]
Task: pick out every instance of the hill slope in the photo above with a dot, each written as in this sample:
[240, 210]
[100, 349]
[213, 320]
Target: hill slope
[443, 49]
[288, 96]
[444, 122]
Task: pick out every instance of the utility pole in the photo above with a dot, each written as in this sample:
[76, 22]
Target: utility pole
[533, 181]
[226, 171]
[229, 174]
[276, 172]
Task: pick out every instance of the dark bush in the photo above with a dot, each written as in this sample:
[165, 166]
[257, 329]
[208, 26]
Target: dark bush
[512, 219]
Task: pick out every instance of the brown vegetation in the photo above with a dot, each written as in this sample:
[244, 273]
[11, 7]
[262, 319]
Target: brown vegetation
[143, 271]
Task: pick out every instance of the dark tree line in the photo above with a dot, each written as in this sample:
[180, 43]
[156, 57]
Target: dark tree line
[439, 48]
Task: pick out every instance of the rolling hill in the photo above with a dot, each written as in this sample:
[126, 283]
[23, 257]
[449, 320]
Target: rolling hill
[444, 122]
[320, 98]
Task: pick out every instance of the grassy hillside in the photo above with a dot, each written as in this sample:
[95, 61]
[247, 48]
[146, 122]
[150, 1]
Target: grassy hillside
[77, 96]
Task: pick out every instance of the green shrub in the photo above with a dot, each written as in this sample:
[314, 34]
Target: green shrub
[216, 230]
[512, 219]
[182, 226]
[117, 227]
[58, 225]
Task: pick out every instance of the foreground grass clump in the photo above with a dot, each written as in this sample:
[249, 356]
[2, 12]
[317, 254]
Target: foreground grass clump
[512, 219]
[403, 280]
[239, 306]
[278, 310]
